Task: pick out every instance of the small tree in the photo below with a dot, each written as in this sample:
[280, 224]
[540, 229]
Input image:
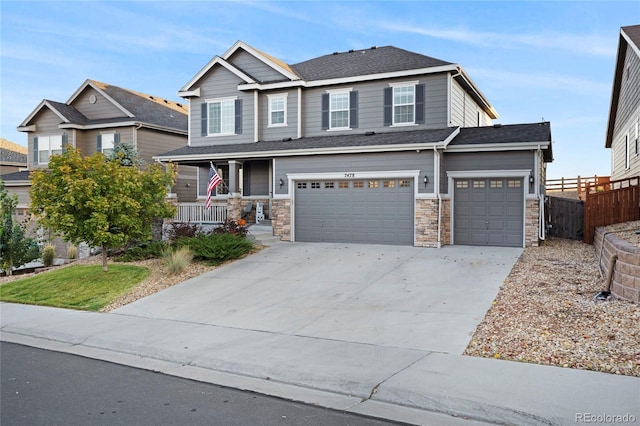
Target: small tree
[15, 248]
[100, 201]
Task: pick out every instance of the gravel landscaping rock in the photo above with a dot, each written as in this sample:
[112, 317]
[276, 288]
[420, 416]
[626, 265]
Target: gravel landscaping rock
[545, 313]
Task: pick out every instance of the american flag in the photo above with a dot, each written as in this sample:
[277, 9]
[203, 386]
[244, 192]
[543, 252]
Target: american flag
[214, 180]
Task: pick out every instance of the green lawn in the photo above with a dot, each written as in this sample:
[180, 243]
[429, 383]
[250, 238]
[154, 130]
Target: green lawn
[83, 287]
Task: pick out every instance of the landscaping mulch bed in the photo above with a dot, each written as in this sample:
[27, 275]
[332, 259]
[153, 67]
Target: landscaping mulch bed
[545, 313]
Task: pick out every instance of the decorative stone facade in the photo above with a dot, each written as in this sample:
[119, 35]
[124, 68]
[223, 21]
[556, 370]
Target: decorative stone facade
[531, 221]
[625, 283]
[281, 218]
[426, 223]
[234, 208]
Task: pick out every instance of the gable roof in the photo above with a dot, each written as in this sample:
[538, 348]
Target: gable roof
[135, 106]
[376, 60]
[629, 41]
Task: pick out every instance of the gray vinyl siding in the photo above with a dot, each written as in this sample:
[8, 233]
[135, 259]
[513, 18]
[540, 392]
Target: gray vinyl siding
[464, 109]
[371, 104]
[87, 140]
[153, 142]
[255, 68]
[220, 83]
[467, 161]
[627, 116]
[22, 191]
[346, 163]
[186, 184]
[279, 132]
[103, 108]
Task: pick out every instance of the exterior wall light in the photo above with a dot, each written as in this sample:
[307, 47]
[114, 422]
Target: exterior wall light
[425, 180]
[281, 182]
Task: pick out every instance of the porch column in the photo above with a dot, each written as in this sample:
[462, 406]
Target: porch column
[234, 178]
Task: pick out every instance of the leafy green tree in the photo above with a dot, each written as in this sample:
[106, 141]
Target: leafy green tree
[126, 154]
[100, 201]
[16, 248]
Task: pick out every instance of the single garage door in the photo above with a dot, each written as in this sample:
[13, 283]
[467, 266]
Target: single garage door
[376, 211]
[489, 212]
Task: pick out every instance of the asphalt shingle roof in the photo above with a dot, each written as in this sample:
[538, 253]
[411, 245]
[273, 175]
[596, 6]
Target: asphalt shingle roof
[363, 62]
[12, 153]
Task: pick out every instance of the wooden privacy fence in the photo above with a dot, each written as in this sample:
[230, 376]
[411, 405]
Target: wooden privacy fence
[565, 218]
[616, 202]
[578, 184]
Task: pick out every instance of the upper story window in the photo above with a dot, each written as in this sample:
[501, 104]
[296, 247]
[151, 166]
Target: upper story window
[221, 116]
[404, 104]
[277, 110]
[340, 109]
[46, 146]
[106, 142]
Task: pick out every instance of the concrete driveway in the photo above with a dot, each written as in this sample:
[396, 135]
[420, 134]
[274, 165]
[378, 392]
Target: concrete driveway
[388, 296]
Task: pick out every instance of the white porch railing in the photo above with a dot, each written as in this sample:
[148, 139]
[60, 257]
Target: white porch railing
[198, 213]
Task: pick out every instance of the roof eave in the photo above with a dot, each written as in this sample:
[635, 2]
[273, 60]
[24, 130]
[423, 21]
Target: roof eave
[467, 81]
[261, 57]
[89, 83]
[217, 60]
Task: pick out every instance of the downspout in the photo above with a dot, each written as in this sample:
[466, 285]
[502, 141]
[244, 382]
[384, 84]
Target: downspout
[299, 112]
[436, 188]
[256, 117]
[542, 233]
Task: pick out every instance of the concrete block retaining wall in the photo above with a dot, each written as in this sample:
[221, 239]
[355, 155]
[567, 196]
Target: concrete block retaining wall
[626, 276]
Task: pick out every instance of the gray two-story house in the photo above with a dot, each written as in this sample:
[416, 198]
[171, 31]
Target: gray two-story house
[378, 145]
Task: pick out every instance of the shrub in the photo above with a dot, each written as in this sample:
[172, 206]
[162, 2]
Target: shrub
[48, 254]
[143, 251]
[217, 248]
[177, 260]
[232, 227]
[72, 252]
[178, 230]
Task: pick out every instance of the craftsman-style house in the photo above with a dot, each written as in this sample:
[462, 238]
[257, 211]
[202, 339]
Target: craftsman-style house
[624, 111]
[377, 145]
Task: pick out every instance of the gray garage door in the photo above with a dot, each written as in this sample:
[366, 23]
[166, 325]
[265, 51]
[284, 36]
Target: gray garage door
[488, 212]
[377, 211]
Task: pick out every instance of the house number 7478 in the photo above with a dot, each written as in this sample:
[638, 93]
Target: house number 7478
[349, 175]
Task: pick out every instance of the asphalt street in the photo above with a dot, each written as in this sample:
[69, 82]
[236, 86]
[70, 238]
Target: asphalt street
[40, 387]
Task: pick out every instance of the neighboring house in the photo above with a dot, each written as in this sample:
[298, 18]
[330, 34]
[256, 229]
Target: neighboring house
[97, 117]
[624, 112]
[378, 145]
[13, 157]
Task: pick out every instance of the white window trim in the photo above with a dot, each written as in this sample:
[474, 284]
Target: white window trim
[113, 142]
[627, 152]
[393, 104]
[48, 137]
[277, 96]
[220, 100]
[332, 92]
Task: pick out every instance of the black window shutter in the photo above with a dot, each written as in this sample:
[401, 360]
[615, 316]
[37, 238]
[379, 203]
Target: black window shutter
[238, 108]
[116, 139]
[388, 106]
[99, 143]
[35, 150]
[420, 92]
[353, 109]
[325, 111]
[203, 119]
[64, 143]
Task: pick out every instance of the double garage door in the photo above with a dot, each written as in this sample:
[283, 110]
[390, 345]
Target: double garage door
[489, 211]
[376, 211]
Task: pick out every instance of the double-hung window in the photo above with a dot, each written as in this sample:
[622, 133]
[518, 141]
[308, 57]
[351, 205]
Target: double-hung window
[46, 146]
[340, 109]
[277, 110]
[107, 142]
[404, 104]
[222, 116]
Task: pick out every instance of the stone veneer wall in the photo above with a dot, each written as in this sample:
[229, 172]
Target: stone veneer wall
[426, 223]
[626, 276]
[281, 218]
[531, 223]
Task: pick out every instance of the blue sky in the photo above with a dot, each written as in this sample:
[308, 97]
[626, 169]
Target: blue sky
[532, 60]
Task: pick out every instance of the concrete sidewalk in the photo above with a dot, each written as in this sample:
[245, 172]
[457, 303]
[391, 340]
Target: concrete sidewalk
[184, 331]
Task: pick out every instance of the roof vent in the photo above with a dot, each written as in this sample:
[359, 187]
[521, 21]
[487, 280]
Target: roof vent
[497, 126]
[370, 133]
[179, 105]
[287, 140]
[351, 50]
[374, 47]
[166, 102]
[335, 53]
[150, 97]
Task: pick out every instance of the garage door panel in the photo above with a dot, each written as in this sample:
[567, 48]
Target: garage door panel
[365, 211]
[489, 212]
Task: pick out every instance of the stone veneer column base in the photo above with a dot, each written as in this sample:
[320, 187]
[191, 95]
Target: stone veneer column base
[281, 218]
[531, 223]
[234, 208]
[426, 223]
